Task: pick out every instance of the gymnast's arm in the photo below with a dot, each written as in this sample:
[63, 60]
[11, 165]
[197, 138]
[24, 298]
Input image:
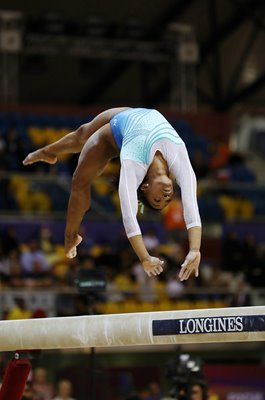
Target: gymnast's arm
[131, 175]
[73, 141]
[183, 172]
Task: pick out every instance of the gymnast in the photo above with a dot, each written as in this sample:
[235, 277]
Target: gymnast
[152, 156]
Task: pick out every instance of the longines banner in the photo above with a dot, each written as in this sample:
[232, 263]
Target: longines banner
[184, 326]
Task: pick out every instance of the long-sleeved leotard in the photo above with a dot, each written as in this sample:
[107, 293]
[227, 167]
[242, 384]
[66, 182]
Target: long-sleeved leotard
[140, 133]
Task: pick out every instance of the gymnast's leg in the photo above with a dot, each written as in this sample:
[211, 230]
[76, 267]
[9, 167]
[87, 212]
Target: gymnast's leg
[71, 143]
[74, 141]
[96, 153]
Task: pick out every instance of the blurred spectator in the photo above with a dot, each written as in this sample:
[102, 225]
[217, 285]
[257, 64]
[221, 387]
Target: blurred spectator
[200, 164]
[46, 240]
[219, 278]
[14, 150]
[155, 390]
[124, 281]
[141, 394]
[3, 154]
[19, 311]
[241, 296]
[216, 279]
[173, 216]
[220, 155]
[69, 304]
[197, 392]
[80, 305]
[112, 293]
[126, 257]
[64, 390]
[235, 170]
[107, 257]
[87, 263]
[256, 274]
[85, 304]
[147, 287]
[64, 305]
[250, 257]
[7, 200]
[174, 287]
[144, 394]
[10, 269]
[190, 293]
[69, 274]
[174, 254]
[29, 393]
[213, 276]
[40, 384]
[54, 255]
[239, 171]
[150, 239]
[231, 252]
[33, 261]
[9, 240]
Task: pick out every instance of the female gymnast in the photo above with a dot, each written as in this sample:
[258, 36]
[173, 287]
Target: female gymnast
[152, 155]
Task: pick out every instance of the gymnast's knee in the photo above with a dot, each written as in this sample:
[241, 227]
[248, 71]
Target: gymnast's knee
[81, 134]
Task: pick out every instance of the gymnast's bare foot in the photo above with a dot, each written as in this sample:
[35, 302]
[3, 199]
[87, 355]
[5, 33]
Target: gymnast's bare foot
[40, 155]
[71, 242]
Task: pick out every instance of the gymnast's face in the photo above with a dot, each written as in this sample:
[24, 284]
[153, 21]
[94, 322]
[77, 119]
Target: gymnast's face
[158, 192]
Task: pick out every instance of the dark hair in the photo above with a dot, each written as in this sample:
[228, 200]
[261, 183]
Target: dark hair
[143, 200]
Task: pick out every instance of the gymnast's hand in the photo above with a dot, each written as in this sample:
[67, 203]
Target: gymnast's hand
[153, 266]
[191, 263]
[70, 244]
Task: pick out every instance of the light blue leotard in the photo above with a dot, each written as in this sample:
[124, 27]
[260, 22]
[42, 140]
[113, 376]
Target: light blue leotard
[136, 130]
[139, 134]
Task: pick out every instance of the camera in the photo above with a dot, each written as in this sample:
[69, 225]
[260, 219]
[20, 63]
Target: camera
[186, 378]
[90, 281]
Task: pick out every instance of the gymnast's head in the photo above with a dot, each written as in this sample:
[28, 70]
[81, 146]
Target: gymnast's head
[156, 192]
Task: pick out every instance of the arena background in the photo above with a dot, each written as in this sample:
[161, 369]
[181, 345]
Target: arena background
[201, 63]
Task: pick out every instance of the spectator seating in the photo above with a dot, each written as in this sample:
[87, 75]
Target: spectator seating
[34, 130]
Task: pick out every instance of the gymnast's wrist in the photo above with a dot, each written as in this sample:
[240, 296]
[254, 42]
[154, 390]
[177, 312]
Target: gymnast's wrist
[144, 258]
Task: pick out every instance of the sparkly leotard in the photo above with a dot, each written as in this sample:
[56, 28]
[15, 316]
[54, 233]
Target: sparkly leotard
[140, 133]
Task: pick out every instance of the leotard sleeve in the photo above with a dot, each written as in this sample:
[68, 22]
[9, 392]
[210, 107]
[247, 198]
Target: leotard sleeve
[131, 176]
[181, 169]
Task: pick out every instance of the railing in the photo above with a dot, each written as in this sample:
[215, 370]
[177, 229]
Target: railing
[58, 189]
[52, 301]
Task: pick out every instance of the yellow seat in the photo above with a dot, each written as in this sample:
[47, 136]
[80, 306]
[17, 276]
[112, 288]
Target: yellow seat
[37, 135]
[219, 304]
[183, 305]
[101, 187]
[124, 283]
[112, 307]
[40, 201]
[201, 304]
[147, 306]
[165, 305]
[18, 183]
[115, 200]
[60, 269]
[131, 306]
[59, 248]
[160, 290]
